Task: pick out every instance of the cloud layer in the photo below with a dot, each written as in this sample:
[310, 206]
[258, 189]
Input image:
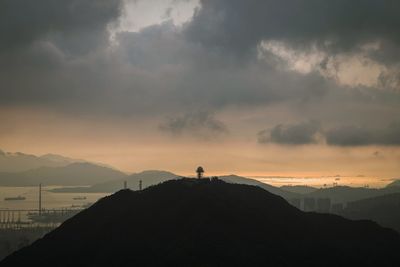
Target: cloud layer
[336, 62]
[296, 134]
[359, 136]
[242, 25]
[345, 135]
[75, 25]
[200, 125]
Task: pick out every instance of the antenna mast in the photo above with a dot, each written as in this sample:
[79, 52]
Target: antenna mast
[40, 199]
[199, 172]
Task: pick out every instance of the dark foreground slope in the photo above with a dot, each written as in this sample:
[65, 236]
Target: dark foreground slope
[208, 223]
[384, 210]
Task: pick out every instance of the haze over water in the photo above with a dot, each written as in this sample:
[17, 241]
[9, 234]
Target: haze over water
[49, 200]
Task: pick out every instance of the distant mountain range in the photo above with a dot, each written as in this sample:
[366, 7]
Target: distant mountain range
[394, 183]
[190, 222]
[148, 178]
[57, 170]
[18, 169]
[18, 162]
[337, 194]
[247, 181]
[299, 189]
[384, 210]
[69, 175]
[344, 194]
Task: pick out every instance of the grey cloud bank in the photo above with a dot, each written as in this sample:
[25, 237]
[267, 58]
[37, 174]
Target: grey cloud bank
[358, 136]
[341, 24]
[57, 55]
[295, 134]
[202, 125]
[344, 135]
[65, 22]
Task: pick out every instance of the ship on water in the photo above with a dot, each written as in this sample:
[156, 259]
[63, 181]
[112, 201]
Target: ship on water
[14, 198]
[79, 198]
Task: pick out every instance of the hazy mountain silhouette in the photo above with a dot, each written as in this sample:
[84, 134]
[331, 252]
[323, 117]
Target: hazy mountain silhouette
[299, 189]
[384, 210]
[394, 183]
[148, 178]
[344, 194]
[18, 162]
[248, 181]
[191, 222]
[72, 174]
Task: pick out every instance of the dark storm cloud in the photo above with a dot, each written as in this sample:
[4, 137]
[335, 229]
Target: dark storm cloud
[47, 50]
[198, 77]
[199, 124]
[241, 25]
[292, 134]
[350, 136]
[76, 23]
[361, 136]
[153, 71]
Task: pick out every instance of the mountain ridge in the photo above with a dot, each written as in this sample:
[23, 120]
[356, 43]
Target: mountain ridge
[19, 162]
[381, 209]
[78, 173]
[344, 194]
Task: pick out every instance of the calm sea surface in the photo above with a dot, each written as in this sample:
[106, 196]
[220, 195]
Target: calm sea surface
[49, 200]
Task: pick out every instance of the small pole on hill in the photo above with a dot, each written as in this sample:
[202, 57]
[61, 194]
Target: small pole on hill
[140, 185]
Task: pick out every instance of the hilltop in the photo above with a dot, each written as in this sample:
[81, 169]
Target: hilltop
[189, 222]
[153, 177]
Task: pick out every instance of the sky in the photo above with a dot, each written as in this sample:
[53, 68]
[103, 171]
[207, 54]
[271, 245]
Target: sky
[296, 90]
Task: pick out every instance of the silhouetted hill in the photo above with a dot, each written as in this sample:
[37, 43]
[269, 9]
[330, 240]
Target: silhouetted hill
[72, 174]
[192, 222]
[384, 210]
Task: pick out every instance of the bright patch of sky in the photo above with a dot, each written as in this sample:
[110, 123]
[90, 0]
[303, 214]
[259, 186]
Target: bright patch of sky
[352, 70]
[139, 14]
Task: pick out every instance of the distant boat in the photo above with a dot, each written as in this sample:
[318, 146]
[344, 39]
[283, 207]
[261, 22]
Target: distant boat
[79, 198]
[14, 198]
